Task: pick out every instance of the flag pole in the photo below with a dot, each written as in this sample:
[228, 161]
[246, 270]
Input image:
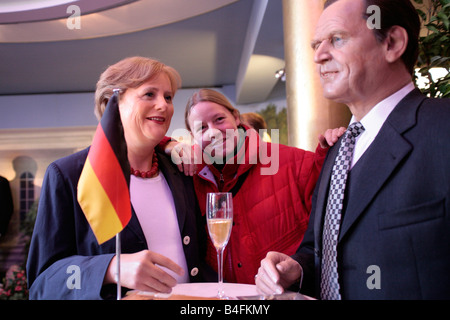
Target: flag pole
[118, 250]
[108, 146]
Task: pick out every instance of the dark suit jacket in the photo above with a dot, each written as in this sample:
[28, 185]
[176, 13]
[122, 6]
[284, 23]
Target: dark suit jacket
[62, 236]
[397, 211]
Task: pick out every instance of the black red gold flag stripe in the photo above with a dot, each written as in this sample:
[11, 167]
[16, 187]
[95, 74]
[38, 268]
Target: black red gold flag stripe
[103, 188]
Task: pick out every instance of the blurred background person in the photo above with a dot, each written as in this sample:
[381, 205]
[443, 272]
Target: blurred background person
[256, 121]
[6, 205]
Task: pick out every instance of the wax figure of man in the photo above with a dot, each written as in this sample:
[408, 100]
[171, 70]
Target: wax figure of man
[393, 236]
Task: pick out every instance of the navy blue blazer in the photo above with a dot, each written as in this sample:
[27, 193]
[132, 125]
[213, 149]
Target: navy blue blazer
[63, 242]
[394, 241]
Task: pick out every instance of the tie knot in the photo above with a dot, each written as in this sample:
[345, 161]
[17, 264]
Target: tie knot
[355, 129]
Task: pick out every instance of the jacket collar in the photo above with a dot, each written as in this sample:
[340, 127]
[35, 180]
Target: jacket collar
[244, 160]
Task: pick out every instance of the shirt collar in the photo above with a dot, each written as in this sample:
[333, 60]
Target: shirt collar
[375, 118]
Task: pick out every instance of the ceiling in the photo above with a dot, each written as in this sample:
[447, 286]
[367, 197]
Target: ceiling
[46, 48]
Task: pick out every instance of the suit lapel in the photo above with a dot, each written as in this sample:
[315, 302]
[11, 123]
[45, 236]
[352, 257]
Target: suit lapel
[381, 159]
[373, 169]
[322, 191]
[135, 227]
[371, 172]
[171, 174]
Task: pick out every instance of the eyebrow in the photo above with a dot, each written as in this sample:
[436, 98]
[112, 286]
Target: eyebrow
[314, 43]
[148, 88]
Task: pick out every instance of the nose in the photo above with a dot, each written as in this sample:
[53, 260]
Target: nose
[161, 103]
[322, 53]
[213, 134]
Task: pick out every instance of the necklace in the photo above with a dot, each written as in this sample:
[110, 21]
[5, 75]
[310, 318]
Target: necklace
[147, 174]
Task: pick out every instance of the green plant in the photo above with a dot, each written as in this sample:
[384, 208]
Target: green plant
[434, 45]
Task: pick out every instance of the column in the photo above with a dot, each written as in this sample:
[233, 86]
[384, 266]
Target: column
[309, 113]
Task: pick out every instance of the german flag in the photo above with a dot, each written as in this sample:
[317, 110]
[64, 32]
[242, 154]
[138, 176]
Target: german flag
[103, 188]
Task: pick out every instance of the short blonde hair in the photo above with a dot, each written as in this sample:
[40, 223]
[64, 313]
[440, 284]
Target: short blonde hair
[210, 96]
[130, 73]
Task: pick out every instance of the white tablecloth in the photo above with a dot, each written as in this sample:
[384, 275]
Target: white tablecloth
[209, 290]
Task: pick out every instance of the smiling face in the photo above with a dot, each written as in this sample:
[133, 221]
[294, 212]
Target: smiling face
[146, 112]
[349, 58]
[214, 128]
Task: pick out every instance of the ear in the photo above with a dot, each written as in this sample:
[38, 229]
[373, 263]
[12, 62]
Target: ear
[395, 43]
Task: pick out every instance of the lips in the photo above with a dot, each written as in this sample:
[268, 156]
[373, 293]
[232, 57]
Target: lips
[157, 119]
[327, 74]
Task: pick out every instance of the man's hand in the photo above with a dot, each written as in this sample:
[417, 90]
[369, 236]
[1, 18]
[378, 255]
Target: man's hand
[277, 272]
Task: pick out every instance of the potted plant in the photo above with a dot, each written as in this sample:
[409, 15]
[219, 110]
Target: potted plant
[434, 46]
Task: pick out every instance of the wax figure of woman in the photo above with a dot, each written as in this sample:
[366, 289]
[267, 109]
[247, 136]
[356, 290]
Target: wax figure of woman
[164, 242]
[271, 184]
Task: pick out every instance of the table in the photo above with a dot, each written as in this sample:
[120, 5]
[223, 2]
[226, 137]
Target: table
[208, 291]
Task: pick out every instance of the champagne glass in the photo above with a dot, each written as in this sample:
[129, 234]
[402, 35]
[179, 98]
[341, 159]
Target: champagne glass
[219, 217]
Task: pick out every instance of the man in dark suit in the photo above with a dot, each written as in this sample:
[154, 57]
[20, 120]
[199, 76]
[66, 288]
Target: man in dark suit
[394, 231]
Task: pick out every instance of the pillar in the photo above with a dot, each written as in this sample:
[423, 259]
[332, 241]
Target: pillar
[309, 113]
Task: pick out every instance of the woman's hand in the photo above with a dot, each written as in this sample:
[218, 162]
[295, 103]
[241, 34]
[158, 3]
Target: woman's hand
[142, 271]
[184, 156]
[331, 136]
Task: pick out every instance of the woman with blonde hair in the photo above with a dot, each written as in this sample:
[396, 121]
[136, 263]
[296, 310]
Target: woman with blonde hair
[164, 242]
[272, 184]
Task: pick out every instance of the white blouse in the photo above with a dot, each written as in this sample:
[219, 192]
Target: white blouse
[153, 203]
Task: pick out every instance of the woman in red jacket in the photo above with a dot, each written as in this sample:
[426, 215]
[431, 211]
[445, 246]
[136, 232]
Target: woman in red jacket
[272, 184]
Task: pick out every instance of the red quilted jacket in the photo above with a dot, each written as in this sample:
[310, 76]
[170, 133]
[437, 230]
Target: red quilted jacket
[271, 211]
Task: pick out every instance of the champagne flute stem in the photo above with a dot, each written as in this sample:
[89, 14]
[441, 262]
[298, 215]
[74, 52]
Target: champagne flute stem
[220, 292]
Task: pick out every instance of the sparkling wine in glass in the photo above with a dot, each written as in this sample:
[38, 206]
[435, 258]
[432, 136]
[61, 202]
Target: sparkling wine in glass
[219, 217]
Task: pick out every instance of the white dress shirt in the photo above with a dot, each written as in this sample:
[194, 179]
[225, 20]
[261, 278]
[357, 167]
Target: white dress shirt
[374, 120]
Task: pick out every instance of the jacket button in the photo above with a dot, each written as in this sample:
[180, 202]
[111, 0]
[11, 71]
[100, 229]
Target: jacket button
[239, 265]
[194, 271]
[186, 240]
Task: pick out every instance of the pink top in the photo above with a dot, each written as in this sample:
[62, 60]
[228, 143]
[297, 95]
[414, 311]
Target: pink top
[154, 206]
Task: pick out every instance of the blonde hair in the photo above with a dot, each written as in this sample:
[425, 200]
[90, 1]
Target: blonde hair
[210, 96]
[130, 73]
